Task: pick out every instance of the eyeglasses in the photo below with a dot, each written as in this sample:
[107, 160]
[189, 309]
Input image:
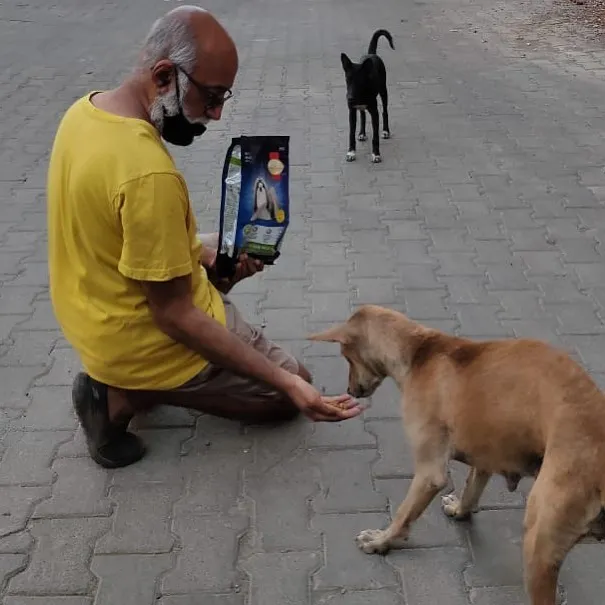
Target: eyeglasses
[214, 96]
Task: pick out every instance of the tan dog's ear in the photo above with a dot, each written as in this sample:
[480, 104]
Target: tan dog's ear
[337, 333]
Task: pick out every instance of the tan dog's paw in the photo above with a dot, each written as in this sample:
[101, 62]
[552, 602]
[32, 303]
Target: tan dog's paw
[452, 508]
[450, 505]
[373, 541]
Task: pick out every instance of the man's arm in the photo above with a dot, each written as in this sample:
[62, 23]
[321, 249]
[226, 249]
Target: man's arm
[175, 314]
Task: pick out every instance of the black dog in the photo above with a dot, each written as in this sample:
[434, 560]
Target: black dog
[365, 81]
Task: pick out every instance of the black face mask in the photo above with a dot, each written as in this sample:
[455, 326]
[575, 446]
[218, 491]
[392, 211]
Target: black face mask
[177, 129]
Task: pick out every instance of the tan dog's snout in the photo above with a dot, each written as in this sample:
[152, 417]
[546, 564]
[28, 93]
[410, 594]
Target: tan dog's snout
[361, 391]
[363, 381]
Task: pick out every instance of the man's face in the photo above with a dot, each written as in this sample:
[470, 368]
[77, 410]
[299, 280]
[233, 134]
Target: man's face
[170, 115]
[184, 103]
[211, 82]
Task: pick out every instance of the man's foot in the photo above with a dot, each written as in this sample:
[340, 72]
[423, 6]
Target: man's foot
[110, 445]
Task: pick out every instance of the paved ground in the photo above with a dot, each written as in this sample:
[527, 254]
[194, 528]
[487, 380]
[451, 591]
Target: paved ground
[486, 218]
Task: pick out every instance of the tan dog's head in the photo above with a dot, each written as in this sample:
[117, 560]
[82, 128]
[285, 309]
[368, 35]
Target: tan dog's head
[364, 342]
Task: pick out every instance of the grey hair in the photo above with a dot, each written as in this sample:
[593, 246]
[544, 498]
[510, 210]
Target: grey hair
[170, 37]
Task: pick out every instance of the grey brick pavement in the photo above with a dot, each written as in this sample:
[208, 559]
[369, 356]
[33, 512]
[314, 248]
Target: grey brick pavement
[485, 218]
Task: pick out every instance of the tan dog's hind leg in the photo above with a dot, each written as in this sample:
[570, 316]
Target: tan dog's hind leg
[554, 521]
[428, 481]
[462, 508]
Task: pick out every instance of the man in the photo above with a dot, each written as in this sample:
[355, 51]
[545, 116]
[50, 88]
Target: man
[132, 286]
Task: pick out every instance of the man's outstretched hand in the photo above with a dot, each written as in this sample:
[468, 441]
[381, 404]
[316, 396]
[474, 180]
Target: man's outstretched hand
[321, 408]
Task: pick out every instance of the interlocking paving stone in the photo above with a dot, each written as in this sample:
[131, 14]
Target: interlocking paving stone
[346, 566]
[129, 579]
[141, 521]
[207, 567]
[78, 491]
[59, 561]
[279, 577]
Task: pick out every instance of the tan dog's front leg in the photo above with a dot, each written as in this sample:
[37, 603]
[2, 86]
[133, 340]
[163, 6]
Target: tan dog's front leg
[426, 484]
[462, 508]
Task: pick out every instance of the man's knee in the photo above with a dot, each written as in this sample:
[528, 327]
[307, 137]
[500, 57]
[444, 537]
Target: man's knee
[276, 411]
[287, 411]
[304, 373]
[281, 409]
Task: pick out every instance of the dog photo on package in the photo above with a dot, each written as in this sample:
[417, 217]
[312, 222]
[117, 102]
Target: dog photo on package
[254, 200]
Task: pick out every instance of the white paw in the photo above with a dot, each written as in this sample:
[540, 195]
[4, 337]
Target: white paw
[351, 155]
[386, 134]
[453, 508]
[450, 505]
[376, 159]
[362, 137]
[372, 541]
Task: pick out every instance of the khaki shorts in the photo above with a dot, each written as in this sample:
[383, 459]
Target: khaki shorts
[216, 381]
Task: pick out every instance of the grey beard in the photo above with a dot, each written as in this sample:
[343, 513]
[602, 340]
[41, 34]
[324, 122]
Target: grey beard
[168, 105]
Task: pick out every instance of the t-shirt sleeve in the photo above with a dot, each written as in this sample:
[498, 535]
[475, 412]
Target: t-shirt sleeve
[153, 212]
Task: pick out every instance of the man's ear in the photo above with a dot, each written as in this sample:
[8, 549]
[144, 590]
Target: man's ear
[162, 74]
[347, 64]
[336, 333]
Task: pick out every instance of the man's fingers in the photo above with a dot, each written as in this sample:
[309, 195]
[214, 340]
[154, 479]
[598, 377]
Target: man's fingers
[343, 401]
[323, 410]
[245, 267]
[239, 271]
[351, 412]
[252, 266]
[342, 415]
[326, 412]
[337, 398]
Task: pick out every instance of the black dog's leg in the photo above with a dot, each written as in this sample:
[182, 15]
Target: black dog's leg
[375, 138]
[386, 131]
[362, 128]
[352, 128]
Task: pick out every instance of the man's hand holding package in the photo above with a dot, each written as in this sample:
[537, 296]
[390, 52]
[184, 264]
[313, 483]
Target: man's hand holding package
[246, 267]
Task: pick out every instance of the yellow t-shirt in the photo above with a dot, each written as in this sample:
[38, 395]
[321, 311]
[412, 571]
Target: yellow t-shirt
[118, 212]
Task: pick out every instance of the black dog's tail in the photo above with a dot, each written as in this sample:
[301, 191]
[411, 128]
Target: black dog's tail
[374, 41]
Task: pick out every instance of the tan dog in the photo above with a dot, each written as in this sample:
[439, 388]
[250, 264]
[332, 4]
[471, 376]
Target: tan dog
[512, 407]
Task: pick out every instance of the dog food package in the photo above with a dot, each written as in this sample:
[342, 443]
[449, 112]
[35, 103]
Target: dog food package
[255, 209]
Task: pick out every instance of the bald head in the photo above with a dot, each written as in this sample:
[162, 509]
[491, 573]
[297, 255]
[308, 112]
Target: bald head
[189, 36]
[187, 68]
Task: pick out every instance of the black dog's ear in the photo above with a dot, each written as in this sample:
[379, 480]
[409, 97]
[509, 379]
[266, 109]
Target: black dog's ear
[347, 64]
